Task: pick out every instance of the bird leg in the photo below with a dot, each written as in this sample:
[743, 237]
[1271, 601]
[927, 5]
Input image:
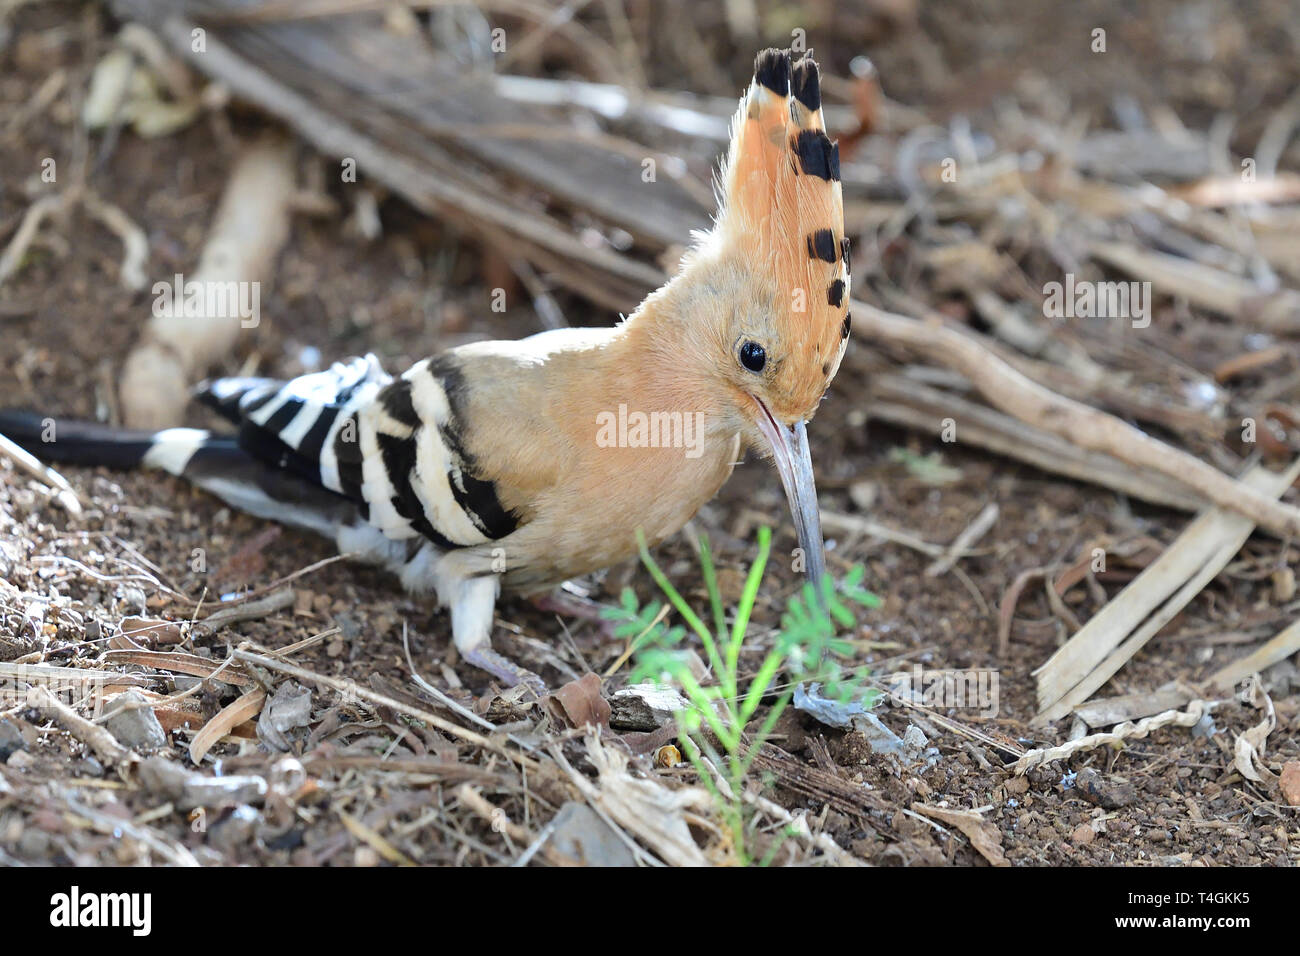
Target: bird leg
[504, 669]
[472, 609]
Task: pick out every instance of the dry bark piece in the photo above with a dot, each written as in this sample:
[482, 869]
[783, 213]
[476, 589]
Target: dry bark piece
[1278, 649]
[644, 707]
[245, 611]
[983, 835]
[1116, 710]
[1092, 656]
[151, 632]
[64, 680]
[179, 663]
[1014, 393]
[98, 739]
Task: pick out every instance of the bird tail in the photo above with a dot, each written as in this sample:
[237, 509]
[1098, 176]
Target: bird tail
[215, 463]
[73, 442]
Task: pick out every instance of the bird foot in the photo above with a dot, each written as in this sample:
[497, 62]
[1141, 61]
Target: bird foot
[504, 669]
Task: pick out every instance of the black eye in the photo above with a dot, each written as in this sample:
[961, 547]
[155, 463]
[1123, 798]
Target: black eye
[752, 356]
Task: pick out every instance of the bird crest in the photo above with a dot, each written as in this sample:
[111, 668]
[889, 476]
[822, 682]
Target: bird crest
[782, 202]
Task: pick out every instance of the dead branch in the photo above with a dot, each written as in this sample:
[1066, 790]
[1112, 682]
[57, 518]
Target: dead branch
[187, 336]
[1007, 389]
[98, 739]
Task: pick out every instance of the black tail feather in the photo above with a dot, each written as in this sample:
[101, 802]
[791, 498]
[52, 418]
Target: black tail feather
[73, 442]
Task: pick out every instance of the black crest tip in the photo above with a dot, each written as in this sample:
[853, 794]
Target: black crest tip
[772, 70]
[805, 84]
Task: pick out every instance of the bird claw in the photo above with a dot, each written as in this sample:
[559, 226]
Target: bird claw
[504, 669]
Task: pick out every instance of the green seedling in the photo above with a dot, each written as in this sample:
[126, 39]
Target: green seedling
[807, 647]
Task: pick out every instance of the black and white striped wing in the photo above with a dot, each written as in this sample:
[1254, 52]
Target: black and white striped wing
[390, 445]
[291, 424]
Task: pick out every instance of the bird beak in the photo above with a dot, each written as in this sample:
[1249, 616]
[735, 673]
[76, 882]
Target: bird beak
[790, 452]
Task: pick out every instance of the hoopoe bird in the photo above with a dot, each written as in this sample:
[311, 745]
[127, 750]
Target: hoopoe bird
[495, 465]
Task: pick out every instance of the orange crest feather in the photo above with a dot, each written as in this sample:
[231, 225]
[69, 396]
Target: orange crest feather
[783, 200]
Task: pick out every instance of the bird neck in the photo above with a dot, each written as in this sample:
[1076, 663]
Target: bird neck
[664, 352]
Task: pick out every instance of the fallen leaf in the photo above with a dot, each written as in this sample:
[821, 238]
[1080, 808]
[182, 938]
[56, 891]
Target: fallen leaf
[244, 709]
[579, 703]
[645, 808]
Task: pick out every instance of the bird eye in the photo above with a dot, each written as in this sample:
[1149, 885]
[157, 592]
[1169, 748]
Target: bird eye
[752, 356]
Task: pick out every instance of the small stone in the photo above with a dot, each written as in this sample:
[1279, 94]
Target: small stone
[20, 760]
[1291, 782]
[133, 599]
[365, 856]
[583, 835]
[137, 725]
[1109, 792]
[10, 740]
[1083, 834]
[33, 844]
[235, 831]
[150, 631]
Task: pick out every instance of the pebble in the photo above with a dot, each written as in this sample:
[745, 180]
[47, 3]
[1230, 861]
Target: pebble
[136, 726]
[10, 740]
[236, 830]
[1108, 792]
[133, 599]
[1290, 782]
[1083, 835]
[581, 834]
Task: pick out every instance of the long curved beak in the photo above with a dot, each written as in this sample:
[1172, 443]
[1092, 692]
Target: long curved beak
[794, 462]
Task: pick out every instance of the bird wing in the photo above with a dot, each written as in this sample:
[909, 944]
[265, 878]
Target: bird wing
[392, 446]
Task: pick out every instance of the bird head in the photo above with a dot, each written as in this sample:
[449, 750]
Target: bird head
[772, 277]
